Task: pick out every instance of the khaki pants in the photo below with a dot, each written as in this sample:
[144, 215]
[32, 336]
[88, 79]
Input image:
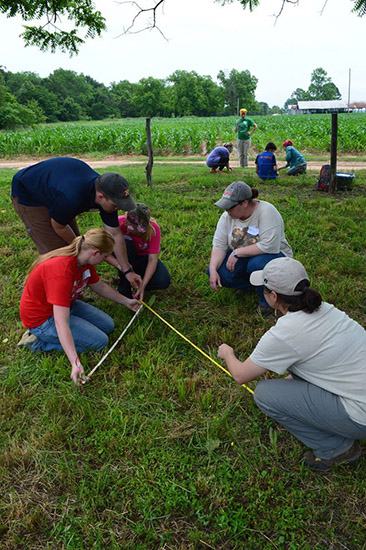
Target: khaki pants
[243, 148]
[37, 221]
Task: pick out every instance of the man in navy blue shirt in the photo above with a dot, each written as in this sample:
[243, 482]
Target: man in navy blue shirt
[266, 163]
[47, 196]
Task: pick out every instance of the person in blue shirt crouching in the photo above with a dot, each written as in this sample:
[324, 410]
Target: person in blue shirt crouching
[266, 163]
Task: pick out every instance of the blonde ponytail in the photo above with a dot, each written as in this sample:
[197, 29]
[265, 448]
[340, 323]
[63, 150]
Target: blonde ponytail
[94, 239]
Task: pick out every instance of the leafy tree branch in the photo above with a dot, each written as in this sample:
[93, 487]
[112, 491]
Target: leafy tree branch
[83, 15]
[47, 36]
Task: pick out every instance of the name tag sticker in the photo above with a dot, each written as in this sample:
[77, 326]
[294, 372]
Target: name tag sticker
[86, 274]
[253, 230]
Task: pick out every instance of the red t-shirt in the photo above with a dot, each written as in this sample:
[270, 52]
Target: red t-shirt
[55, 282]
[143, 248]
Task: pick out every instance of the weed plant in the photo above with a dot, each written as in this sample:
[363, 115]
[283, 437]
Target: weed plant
[162, 449]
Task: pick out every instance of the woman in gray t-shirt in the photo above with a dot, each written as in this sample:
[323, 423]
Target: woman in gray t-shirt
[248, 235]
[322, 401]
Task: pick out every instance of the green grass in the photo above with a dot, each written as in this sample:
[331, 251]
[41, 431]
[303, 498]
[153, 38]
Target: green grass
[162, 449]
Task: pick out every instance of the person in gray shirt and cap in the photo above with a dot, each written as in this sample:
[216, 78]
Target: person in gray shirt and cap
[322, 401]
[248, 235]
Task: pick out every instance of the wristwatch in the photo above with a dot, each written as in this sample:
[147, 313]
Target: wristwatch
[129, 270]
[235, 254]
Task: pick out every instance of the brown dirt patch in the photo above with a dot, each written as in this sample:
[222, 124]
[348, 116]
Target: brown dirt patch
[114, 160]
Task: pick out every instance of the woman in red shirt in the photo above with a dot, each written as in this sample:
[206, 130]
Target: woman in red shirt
[49, 306]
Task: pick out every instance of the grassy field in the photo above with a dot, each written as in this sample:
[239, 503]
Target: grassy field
[162, 449]
[182, 136]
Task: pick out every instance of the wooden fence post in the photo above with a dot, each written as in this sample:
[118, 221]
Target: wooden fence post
[150, 162]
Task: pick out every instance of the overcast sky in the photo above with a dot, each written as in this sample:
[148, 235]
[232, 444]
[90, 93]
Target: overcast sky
[205, 37]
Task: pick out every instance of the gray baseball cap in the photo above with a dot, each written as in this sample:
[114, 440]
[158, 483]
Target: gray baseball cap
[115, 187]
[235, 193]
[281, 275]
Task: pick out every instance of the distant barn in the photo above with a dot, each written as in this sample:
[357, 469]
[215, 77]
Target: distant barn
[326, 106]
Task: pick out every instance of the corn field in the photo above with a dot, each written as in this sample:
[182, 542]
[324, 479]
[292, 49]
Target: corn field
[182, 136]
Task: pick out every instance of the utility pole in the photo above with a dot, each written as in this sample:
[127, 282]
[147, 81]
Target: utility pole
[349, 90]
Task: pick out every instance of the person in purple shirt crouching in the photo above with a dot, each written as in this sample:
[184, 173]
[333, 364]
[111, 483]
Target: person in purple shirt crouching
[219, 158]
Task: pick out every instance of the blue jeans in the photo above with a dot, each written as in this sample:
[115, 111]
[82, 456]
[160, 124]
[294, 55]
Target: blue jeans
[159, 281]
[88, 324]
[300, 169]
[313, 415]
[244, 267]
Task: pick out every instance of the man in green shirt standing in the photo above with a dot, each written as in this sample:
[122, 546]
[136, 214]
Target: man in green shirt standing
[244, 127]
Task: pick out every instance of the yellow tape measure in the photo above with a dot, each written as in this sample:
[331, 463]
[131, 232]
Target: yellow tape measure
[192, 344]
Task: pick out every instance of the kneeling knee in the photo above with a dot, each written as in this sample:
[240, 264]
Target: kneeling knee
[101, 342]
[109, 326]
[263, 393]
[165, 282]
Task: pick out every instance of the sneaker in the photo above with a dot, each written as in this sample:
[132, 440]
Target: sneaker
[213, 171]
[325, 465]
[27, 339]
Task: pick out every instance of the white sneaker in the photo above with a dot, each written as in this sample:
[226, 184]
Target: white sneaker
[27, 339]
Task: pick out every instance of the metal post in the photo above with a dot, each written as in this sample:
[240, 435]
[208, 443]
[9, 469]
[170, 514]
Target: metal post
[349, 90]
[333, 154]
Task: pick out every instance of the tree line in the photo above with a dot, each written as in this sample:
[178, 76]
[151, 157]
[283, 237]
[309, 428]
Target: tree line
[26, 98]
[321, 88]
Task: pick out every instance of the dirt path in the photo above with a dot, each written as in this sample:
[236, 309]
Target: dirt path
[348, 166]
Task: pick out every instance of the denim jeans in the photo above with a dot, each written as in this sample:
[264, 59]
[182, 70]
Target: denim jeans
[300, 169]
[89, 327]
[244, 267]
[159, 281]
[313, 415]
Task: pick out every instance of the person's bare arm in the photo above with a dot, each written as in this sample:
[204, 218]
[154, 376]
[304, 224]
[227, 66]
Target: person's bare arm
[102, 289]
[152, 263]
[241, 371]
[63, 231]
[217, 257]
[62, 322]
[254, 129]
[242, 252]
[120, 252]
